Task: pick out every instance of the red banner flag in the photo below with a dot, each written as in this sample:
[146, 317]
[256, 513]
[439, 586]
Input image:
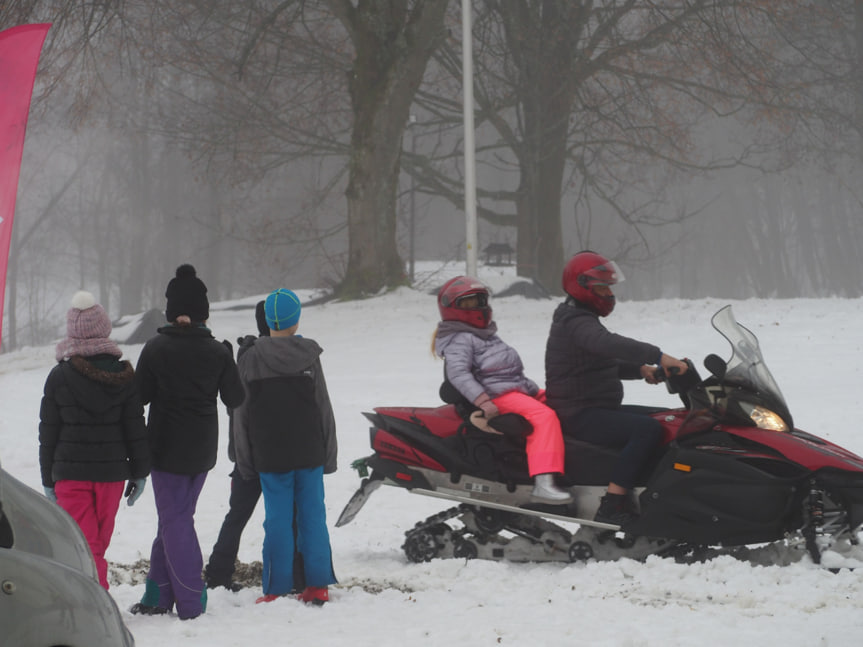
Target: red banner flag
[19, 56]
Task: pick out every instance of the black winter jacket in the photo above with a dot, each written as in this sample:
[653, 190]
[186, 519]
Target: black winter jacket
[92, 423]
[585, 363]
[287, 421]
[243, 344]
[180, 373]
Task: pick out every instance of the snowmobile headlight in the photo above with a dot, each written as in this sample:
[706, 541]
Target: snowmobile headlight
[764, 418]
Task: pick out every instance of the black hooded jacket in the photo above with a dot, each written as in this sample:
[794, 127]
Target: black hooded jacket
[585, 362]
[92, 423]
[287, 421]
[180, 373]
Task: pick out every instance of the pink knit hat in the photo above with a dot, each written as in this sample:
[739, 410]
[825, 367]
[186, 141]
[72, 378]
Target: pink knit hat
[87, 329]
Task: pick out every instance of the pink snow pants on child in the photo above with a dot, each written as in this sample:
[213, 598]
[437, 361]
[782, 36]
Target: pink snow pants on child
[545, 451]
[94, 507]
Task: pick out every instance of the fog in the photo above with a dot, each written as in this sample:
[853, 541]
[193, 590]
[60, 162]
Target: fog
[792, 234]
[143, 155]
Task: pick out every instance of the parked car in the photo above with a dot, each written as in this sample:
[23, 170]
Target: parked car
[50, 595]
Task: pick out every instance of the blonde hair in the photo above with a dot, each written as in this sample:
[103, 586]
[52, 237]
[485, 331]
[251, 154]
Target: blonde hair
[433, 339]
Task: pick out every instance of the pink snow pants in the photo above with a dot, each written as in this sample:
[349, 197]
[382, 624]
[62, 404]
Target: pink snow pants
[94, 507]
[545, 451]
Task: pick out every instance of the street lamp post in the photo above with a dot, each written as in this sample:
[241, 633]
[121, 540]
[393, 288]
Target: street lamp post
[469, 146]
[413, 209]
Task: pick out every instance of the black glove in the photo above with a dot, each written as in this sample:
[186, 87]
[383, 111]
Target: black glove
[228, 346]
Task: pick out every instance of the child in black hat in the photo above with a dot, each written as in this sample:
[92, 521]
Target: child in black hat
[180, 373]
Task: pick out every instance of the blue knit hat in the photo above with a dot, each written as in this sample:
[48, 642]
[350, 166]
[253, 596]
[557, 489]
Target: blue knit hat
[282, 309]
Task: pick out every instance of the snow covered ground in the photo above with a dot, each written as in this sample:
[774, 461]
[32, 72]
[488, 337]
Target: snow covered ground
[376, 353]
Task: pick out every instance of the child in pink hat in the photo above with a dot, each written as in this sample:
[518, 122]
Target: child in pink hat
[92, 437]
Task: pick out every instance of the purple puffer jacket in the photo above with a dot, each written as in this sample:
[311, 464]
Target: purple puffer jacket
[478, 361]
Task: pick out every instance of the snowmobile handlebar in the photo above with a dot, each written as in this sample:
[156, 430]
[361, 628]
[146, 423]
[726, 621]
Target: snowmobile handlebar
[660, 375]
[677, 382]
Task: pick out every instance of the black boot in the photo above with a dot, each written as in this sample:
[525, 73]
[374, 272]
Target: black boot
[147, 610]
[615, 509]
[229, 584]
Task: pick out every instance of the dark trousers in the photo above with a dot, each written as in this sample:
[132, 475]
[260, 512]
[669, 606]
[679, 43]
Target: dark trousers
[628, 429]
[244, 498]
[245, 494]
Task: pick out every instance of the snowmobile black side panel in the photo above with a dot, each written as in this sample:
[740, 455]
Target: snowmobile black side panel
[705, 498]
[470, 451]
[587, 464]
[418, 437]
[845, 488]
[494, 457]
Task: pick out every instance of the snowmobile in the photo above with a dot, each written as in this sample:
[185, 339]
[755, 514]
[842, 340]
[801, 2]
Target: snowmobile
[733, 475]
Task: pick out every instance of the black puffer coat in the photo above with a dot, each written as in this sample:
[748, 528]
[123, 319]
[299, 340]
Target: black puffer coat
[585, 363]
[92, 423]
[180, 373]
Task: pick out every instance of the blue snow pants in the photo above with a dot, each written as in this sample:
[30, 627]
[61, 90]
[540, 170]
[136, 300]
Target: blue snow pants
[282, 490]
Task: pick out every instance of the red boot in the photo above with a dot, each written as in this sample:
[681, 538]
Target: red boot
[315, 594]
[269, 597]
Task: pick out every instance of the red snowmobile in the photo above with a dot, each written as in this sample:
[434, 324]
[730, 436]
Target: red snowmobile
[734, 475]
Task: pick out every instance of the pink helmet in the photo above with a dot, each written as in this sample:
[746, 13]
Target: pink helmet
[586, 270]
[457, 289]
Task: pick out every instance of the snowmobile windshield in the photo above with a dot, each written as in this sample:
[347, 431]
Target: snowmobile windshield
[746, 368]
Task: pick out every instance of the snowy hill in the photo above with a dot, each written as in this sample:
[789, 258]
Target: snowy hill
[376, 352]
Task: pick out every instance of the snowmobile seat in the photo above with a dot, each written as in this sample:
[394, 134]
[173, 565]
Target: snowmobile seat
[508, 424]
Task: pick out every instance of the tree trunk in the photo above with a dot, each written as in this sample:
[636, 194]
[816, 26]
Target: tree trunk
[392, 47]
[139, 179]
[373, 258]
[541, 36]
[540, 236]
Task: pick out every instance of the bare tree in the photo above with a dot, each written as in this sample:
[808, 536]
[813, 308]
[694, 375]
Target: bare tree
[289, 85]
[605, 104]
[393, 42]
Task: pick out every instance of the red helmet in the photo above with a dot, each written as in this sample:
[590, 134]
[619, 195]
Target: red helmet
[457, 290]
[586, 270]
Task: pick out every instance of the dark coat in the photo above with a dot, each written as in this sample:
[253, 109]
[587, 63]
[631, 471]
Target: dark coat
[92, 423]
[585, 363]
[243, 344]
[180, 373]
[287, 422]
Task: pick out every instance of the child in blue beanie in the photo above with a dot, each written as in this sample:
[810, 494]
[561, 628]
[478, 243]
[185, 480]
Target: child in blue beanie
[285, 433]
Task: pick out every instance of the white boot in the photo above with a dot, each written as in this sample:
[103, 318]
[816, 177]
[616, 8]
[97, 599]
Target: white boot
[545, 489]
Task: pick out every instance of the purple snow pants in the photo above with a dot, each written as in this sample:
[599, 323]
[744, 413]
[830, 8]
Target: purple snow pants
[176, 561]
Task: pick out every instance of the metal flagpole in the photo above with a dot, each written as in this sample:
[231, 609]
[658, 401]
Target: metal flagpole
[469, 146]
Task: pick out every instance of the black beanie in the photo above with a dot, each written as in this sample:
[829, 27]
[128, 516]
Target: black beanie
[187, 295]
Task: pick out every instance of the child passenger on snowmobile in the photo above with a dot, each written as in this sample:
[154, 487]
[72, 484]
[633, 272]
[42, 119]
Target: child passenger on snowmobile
[489, 373]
